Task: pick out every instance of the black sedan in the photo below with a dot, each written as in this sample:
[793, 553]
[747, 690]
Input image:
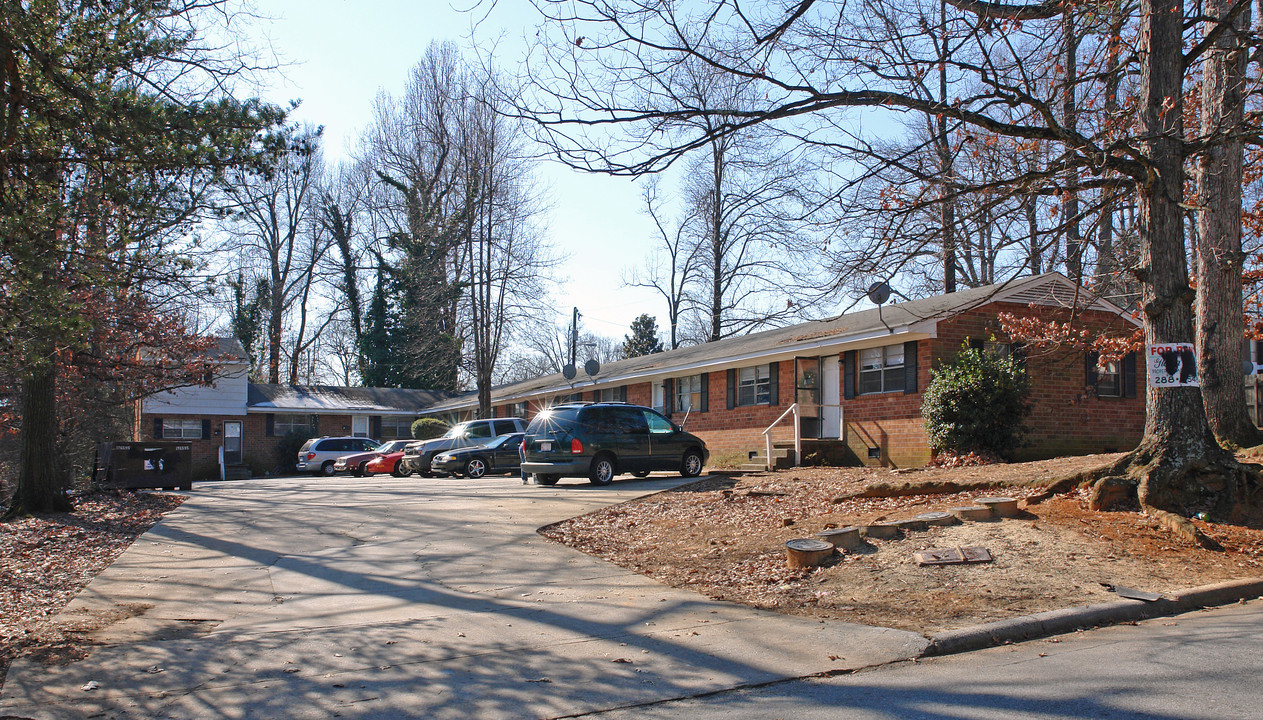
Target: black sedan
[499, 455]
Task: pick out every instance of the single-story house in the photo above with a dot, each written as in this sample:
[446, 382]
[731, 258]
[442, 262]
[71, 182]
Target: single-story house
[248, 420]
[857, 380]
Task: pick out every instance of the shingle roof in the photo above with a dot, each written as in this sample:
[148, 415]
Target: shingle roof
[906, 318]
[331, 398]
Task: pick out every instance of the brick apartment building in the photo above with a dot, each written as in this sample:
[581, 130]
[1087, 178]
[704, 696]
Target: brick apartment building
[858, 380]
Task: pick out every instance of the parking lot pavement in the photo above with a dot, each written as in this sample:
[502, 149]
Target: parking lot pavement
[382, 597]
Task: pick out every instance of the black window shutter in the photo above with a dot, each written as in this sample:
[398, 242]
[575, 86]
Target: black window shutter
[848, 374]
[622, 393]
[910, 367]
[1018, 351]
[705, 403]
[732, 389]
[774, 378]
[668, 396]
[206, 429]
[375, 426]
[315, 425]
[1129, 375]
[1089, 369]
[269, 425]
[157, 428]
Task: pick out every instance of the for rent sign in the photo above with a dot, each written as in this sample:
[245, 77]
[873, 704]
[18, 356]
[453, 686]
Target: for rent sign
[1172, 365]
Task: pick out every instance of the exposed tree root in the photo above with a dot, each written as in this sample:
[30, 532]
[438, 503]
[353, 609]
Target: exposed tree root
[1172, 487]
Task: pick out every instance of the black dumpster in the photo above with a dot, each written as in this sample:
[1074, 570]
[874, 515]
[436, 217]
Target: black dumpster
[166, 464]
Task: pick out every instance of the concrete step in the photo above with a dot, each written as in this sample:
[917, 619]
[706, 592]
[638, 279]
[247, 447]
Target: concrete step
[237, 472]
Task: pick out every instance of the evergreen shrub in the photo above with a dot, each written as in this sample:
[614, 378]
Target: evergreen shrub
[977, 402]
[427, 428]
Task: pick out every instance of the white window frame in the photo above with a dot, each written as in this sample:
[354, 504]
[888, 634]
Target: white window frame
[658, 396]
[283, 423]
[688, 393]
[754, 386]
[1109, 380]
[879, 363]
[181, 429]
[393, 421]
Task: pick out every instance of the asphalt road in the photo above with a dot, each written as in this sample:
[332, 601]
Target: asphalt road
[1203, 665]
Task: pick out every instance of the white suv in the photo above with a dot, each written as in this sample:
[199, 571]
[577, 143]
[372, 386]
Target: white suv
[318, 455]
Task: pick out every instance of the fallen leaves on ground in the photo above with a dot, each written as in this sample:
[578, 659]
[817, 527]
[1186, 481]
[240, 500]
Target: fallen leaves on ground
[46, 560]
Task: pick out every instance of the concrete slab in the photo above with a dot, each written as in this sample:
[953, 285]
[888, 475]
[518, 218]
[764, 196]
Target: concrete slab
[383, 597]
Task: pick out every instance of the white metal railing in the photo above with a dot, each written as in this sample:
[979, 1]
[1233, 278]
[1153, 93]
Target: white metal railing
[798, 431]
[798, 437]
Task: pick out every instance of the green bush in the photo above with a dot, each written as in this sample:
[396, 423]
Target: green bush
[977, 403]
[427, 427]
[286, 455]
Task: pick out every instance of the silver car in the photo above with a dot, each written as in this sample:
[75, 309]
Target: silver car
[318, 455]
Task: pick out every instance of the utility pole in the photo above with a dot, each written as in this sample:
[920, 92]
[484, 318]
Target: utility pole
[574, 336]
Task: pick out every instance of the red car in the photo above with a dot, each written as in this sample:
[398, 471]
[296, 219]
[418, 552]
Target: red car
[389, 462]
[358, 463]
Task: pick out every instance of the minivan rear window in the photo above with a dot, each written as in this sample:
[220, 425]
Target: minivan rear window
[552, 420]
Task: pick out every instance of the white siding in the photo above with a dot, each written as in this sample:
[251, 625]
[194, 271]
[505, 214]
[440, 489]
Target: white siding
[227, 396]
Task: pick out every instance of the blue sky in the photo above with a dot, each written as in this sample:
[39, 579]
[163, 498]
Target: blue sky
[338, 55]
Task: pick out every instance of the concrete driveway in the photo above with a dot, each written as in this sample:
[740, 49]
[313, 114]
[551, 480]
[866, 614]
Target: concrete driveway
[386, 598]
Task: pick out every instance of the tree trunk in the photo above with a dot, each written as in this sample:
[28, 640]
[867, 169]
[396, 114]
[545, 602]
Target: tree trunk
[1220, 322]
[40, 484]
[1178, 467]
[1070, 118]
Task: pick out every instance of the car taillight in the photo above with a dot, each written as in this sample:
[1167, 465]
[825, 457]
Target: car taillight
[576, 447]
[522, 448]
[311, 456]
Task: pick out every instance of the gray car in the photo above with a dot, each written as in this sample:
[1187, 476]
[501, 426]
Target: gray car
[318, 455]
[418, 455]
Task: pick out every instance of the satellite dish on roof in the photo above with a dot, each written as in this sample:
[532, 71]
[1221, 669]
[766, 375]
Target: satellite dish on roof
[879, 292]
[568, 372]
[592, 367]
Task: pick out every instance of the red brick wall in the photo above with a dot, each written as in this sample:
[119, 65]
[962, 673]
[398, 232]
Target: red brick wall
[1066, 417]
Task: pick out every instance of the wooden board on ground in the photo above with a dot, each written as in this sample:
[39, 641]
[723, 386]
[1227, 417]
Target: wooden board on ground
[952, 556]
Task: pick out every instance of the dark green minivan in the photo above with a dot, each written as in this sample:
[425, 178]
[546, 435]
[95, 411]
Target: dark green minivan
[601, 440]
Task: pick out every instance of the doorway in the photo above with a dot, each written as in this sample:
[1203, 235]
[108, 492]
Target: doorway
[831, 397]
[232, 442]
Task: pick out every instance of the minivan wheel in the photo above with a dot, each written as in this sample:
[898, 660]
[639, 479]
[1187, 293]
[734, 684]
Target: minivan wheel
[475, 468]
[691, 465]
[602, 470]
[641, 474]
[546, 479]
[327, 468]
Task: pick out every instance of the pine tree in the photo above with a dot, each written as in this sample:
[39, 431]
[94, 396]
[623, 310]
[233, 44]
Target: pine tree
[644, 337]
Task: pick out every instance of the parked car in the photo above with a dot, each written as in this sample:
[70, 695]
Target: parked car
[391, 462]
[357, 464]
[500, 455]
[418, 455]
[318, 455]
[601, 440]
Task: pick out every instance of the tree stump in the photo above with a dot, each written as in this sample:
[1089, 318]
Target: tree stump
[847, 538]
[1001, 506]
[937, 518]
[807, 552]
[881, 530]
[972, 512]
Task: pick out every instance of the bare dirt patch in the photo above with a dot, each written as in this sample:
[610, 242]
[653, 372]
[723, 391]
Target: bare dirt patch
[725, 537]
[47, 559]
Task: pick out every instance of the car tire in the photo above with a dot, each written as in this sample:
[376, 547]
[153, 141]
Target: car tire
[475, 468]
[691, 464]
[397, 470]
[641, 474]
[546, 479]
[327, 469]
[602, 470]
[360, 469]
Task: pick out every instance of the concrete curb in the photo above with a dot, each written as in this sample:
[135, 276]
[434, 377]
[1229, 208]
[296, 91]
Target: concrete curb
[1057, 622]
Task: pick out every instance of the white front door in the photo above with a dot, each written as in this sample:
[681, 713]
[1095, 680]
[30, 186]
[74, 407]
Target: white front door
[359, 425]
[232, 442]
[830, 398]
